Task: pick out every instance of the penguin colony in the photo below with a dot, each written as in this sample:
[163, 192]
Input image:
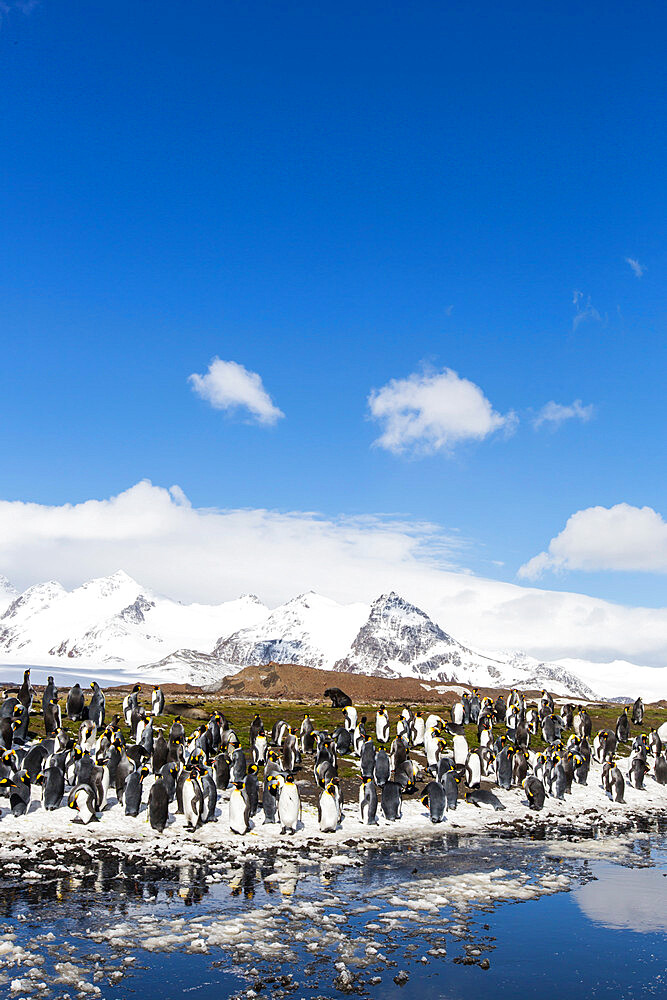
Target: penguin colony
[164, 767]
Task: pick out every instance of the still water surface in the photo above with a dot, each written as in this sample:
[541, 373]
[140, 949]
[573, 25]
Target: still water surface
[577, 919]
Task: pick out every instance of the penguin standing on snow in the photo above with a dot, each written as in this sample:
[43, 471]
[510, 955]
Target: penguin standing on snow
[504, 768]
[193, 802]
[251, 786]
[450, 784]
[210, 795]
[239, 765]
[169, 774]
[52, 781]
[660, 770]
[327, 809]
[239, 809]
[133, 790]
[270, 793]
[289, 805]
[581, 766]
[391, 800]
[19, 792]
[435, 799]
[222, 771]
[558, 779]
[158, 804]
[83, 800]
[638, 769]
[473, 770]
[368, 802]
[535, 792]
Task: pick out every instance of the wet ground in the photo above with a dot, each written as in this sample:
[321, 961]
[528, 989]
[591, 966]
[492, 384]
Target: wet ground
[447, 917]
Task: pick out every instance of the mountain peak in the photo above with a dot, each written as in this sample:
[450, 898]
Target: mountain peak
[251, 599]
[107, 585]
[6, 588]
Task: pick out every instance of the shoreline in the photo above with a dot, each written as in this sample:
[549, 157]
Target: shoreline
[586, 814]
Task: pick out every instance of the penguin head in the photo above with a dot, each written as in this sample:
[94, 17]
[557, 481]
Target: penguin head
[424, 799]
[18, 710]
[238, 785]
[145, 771]
[289, 780]
[252, 769]
[8, 781]
[40, 778]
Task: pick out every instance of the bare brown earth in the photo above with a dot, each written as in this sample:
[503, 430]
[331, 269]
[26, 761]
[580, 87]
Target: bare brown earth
[292, 682]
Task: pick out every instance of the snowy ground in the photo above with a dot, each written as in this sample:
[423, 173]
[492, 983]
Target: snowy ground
[586, 811]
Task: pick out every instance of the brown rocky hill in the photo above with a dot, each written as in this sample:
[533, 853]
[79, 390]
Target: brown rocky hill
[292, 682]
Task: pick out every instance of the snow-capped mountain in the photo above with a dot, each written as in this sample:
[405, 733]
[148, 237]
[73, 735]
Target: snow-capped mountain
[400, 640]
[7, 594]
[309, 629]
[112, 620]
[116, 626]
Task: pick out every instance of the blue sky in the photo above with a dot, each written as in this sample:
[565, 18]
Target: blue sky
[334, 198]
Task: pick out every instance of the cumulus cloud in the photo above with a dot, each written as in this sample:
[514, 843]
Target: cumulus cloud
[584, 310]
[433, 411]
[212, 555]
[606, 538]
[637, 268]
[227, 385]
[554, 414]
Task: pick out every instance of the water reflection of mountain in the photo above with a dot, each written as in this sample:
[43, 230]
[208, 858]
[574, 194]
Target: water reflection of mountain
[626, 898]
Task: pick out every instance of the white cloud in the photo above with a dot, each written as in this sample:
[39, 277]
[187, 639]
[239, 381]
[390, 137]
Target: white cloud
[606, 538]
[433, 411]
[637, 268]
[556, 413]
[584, 310]
[211, 555]
[229, 386]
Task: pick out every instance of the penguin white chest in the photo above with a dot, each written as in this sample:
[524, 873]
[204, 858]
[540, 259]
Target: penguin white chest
[328, 812]
[288, 806]
[191, 804]
[237, 811]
